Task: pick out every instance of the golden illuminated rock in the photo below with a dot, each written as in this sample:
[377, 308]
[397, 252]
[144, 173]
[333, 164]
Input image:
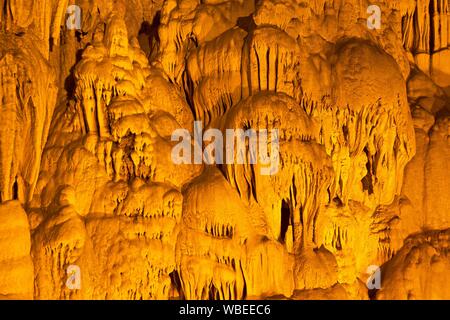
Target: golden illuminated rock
[233, 149]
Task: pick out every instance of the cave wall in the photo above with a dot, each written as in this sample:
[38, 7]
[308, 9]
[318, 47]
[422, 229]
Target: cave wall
[87, 116]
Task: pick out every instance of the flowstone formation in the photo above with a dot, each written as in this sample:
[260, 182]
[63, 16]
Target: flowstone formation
[342, 166]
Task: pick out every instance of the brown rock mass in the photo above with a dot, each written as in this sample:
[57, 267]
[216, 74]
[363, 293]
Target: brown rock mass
[121, 154]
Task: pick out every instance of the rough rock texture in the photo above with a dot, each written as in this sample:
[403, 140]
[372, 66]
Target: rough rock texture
[87, 176]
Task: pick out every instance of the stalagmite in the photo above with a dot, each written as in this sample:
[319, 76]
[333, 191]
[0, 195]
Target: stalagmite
[16, 265]
[419, 268]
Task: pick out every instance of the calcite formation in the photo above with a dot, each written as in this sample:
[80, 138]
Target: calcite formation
[354, 109]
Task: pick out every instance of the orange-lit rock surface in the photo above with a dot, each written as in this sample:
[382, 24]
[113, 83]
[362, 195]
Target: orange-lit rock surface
[91, 93]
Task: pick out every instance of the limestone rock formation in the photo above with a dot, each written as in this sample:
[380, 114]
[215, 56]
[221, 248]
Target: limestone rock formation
[15, 260]
[312, 140]
[418, 269]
